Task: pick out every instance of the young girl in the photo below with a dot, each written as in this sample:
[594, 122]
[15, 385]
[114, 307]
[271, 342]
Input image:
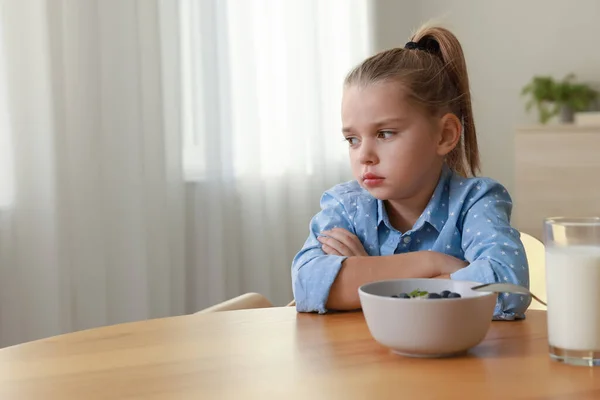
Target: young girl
[415, 210]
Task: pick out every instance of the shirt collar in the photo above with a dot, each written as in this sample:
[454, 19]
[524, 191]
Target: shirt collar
[382, 213]
[436, 212]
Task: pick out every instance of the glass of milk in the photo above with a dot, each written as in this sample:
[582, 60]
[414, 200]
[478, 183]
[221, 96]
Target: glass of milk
[573, 289]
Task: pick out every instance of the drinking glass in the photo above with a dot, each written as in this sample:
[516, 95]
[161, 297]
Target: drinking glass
[573, 289]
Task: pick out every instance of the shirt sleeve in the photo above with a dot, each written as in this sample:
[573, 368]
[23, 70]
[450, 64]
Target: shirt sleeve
[493, 248]
[313, 271]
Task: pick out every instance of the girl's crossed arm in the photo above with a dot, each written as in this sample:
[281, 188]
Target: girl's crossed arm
[324, 281]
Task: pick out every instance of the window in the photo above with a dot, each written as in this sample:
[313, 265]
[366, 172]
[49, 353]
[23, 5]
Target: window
[262, 83]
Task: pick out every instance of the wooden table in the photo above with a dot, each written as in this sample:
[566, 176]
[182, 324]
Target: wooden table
[276, 353]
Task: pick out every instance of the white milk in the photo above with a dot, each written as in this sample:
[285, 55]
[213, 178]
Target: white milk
[573, 290]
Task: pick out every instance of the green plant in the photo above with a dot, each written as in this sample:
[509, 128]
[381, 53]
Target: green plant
[548, 95]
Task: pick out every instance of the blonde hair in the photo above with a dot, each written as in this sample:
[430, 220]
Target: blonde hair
[433, 72]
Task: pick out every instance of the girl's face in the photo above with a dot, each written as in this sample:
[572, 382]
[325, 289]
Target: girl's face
[396, 149]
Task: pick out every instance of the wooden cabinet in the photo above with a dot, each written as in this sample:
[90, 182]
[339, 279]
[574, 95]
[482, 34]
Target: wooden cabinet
[557, 174]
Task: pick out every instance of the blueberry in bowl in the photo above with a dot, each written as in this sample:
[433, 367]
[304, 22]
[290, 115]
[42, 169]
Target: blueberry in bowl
[420, 294]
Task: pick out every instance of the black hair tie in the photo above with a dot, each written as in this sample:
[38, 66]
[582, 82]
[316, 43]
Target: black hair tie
[427, 44]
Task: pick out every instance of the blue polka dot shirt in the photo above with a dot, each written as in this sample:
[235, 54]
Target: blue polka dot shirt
[468, 218]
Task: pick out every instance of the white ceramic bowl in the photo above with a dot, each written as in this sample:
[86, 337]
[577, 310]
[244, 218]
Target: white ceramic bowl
[427, 327]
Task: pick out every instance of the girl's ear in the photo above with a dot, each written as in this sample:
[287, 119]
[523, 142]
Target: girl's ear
[450, 133]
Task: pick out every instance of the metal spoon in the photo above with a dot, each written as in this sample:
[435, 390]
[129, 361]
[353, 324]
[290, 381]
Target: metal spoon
[506, 288]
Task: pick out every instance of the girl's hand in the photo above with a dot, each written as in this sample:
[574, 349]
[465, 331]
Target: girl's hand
[446, 265]
[340, 242]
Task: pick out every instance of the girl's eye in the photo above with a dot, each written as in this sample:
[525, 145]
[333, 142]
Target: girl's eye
[385, 134]
[352, 140]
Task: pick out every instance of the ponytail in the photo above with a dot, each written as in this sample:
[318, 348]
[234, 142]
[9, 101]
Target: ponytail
[453, 61]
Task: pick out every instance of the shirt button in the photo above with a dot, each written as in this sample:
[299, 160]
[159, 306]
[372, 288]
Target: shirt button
[407, 239]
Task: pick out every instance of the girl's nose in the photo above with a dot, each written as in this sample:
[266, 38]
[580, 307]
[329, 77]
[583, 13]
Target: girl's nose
[368, 154]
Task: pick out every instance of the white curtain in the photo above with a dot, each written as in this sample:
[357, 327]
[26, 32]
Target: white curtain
[92, 211]
[262, 133]
[159, 156]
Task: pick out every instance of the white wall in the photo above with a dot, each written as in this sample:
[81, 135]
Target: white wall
[506, 43]
[393, 22]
